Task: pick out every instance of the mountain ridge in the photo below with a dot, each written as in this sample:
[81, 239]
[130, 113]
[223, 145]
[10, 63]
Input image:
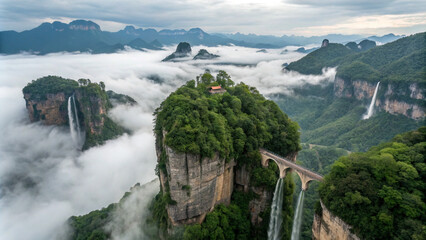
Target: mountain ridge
[87, 36]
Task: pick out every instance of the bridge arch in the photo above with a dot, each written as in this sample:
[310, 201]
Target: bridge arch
[284, 164]
[283, 169]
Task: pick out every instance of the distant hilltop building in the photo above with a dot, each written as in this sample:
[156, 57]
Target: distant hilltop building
[325, 43]
[216, 89]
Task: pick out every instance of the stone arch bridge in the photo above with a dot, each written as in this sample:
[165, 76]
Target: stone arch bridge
[283, 164]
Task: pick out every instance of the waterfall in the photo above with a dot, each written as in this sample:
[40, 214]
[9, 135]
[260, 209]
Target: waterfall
[76, 119]
[275, 221]
[74, 125]
[298, 215]
[371, 108]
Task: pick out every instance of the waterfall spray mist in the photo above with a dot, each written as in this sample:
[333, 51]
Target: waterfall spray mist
[371, 108]
[275, 221]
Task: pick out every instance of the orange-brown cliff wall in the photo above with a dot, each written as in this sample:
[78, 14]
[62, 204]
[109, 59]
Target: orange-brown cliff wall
[393, 98]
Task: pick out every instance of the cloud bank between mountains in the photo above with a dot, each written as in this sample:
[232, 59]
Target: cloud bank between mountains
[44, 180]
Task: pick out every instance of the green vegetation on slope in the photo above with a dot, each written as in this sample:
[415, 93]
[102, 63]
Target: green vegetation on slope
[91, 226]
[381, 192]
[338, 122]
[104, 223]
[225, 222]
[314, 62]
[399, 61]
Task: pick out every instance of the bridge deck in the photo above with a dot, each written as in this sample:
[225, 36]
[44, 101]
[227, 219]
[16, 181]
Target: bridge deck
[292, 165]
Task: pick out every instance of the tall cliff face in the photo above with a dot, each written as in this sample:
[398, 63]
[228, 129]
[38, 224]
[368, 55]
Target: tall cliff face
[47, 101]
[326, 226]
[200, 137]
[196, 185]
[51, 111]
[94, 109]
[396, 98]
[256, 205]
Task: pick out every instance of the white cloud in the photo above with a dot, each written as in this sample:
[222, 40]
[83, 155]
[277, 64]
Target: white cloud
[128, 220]
[44, 180]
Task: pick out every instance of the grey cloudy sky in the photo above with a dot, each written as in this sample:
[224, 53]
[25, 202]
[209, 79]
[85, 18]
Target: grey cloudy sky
[275, 17]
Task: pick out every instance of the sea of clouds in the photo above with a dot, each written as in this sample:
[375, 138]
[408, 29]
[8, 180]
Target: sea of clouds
[44, 180]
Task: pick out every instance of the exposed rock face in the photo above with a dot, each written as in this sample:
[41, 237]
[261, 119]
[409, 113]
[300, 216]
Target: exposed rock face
[47, 101]
[182, 50]
[330, 227]
[51, 111]
[84, 25]
[94, 112]
[393, 98]
[325, 43]
[257, 205]
[197, 185]
[204, 54]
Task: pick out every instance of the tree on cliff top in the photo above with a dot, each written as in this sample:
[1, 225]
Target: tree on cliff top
[38, 89]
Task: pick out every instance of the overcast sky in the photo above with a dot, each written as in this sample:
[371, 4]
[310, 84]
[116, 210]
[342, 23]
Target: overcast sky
[275, 17]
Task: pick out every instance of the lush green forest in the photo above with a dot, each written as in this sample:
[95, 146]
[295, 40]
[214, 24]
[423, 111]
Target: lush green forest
[399, 61]
[234, 124]
[381, 192]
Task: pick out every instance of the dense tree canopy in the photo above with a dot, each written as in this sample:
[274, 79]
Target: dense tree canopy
[381, 193]
[234, 123]
[38, 89]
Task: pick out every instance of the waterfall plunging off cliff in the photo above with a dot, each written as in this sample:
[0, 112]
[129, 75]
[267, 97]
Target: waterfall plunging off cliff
[275, 221]
[371, 108]
[298, 215]
[74, 125]
[76, 119]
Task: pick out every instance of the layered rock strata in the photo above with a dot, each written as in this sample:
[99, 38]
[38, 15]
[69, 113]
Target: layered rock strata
[196, 185]
[394, 98]
[329, 227]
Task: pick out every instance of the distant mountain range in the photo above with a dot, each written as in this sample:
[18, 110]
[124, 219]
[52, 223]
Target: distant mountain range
[265, 41]
[87, 36]
[399, 61]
